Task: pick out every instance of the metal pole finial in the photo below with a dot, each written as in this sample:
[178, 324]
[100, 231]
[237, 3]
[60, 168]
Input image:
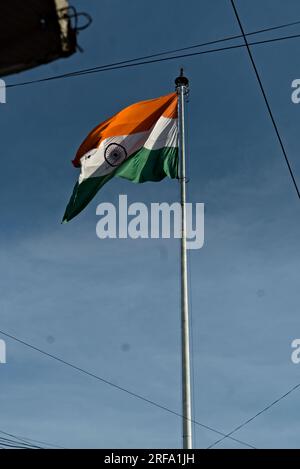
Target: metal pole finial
[181, 80]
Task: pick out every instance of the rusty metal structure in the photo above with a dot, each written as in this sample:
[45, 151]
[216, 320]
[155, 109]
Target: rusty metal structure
[36, 32]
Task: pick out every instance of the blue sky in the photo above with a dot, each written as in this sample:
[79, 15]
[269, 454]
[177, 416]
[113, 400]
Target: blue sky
[112, 307]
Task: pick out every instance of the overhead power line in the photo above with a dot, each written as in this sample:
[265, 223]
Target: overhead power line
[268, 407]
[118, 387]
[266, 99]
[45, 443]
[138, 396]
[19, 440]
[164, 59]
[143, 60]
[26, 440]
[12, 446]
[194, 46]
[16, 443]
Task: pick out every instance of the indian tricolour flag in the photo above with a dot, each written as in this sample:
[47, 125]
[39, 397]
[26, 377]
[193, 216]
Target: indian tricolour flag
[140, 144]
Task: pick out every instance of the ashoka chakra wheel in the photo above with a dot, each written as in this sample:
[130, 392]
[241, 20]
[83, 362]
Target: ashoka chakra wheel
[115, 154]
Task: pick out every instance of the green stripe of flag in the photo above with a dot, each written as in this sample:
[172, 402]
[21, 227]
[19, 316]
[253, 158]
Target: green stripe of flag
[144, 165]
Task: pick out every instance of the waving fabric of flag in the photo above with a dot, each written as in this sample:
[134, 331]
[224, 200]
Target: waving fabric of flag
[140, 143]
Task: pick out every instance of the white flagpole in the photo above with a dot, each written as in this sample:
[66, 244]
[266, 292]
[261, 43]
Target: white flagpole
[182, 85]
